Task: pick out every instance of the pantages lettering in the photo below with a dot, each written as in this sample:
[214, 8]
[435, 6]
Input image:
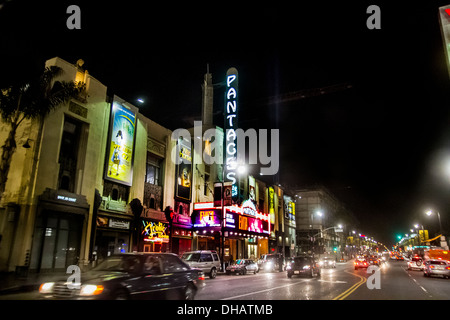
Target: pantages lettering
[230, 129]
[232, 141]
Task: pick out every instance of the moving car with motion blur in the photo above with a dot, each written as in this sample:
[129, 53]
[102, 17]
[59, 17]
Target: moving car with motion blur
[416, 263]
[360, 263]
[271, 262]
[327, 262]
[131, 276]
[436, 267]
[243, 266]
[373, 260]
[302, 265]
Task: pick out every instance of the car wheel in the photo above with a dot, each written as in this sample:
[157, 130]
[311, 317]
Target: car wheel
[189, 292]
[244, 271]
[213, 273]
[289, 275]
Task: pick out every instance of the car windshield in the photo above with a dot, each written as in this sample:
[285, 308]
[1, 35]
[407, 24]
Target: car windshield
[240, 261]
[119, 263]
[301, 261]
[191, 256]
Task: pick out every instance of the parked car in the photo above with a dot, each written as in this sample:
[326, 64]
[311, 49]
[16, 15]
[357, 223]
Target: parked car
[327, 262]
[271, 262]
[206, 260]
[436, 267]
[302, 265]
[242, 266]
[416, 262]
[131, 276]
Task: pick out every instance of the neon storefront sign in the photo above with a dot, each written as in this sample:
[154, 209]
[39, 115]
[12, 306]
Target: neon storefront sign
[155, 231]
[231, 109]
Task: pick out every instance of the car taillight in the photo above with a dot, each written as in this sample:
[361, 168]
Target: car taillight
[448, 268]
[201, 276]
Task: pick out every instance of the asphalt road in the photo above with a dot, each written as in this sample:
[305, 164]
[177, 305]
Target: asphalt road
[393, 282]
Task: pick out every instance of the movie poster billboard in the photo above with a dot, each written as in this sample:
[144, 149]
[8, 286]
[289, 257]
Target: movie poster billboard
[289, 208]
[121, 144]
[183, 170]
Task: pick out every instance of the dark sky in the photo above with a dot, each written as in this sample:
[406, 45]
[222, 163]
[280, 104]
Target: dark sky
[378, 145]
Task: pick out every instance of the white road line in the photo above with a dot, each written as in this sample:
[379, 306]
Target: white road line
[265, 290]
[332, 281]
[415, 281]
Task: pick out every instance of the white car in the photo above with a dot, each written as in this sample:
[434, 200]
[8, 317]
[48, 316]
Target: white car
[416, 263]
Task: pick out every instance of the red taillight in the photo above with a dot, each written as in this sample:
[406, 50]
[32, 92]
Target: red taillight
[448, 268]
[201, 277]
[431, 267]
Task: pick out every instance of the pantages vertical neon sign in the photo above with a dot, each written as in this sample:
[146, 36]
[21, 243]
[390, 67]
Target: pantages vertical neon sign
[231, 120]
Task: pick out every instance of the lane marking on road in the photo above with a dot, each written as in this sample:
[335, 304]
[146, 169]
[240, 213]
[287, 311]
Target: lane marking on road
[350, 290]
[416, 282]
[332, 281]
[265, 290]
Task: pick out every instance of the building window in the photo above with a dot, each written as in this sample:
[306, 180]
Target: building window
[115, 191]
[153, 182]
[153, 172]
[69, 154]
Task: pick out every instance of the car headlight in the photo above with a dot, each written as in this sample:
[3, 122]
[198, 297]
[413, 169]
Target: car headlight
[46, 287]
[306, 267]
[91, 290]
[320, 263]
[288, 267]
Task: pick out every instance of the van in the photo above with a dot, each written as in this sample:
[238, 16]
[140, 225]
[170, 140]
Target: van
[206, 260]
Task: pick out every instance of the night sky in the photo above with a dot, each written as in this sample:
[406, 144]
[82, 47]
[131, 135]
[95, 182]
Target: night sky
[380, 145]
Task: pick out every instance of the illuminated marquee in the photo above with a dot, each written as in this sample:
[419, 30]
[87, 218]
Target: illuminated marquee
[244, 218]
[231, 109]
[207, 218]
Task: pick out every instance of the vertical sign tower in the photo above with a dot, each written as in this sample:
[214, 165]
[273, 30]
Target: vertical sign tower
[230, 126]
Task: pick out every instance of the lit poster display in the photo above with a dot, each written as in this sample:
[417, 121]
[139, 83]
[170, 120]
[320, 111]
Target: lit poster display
[245, 223]
[184, 170]
[121, 144]
[207, 218]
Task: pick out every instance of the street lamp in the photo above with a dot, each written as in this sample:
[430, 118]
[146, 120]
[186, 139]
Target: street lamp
[320, 214]
[429, 213]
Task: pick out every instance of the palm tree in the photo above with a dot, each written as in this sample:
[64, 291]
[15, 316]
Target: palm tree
[31, 100]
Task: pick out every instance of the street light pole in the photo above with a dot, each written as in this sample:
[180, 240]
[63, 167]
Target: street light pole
[430, 212]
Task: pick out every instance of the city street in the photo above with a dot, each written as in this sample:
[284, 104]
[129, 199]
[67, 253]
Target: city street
[341, 283]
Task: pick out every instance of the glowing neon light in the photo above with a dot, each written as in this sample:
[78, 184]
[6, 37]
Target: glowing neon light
[231, 109]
